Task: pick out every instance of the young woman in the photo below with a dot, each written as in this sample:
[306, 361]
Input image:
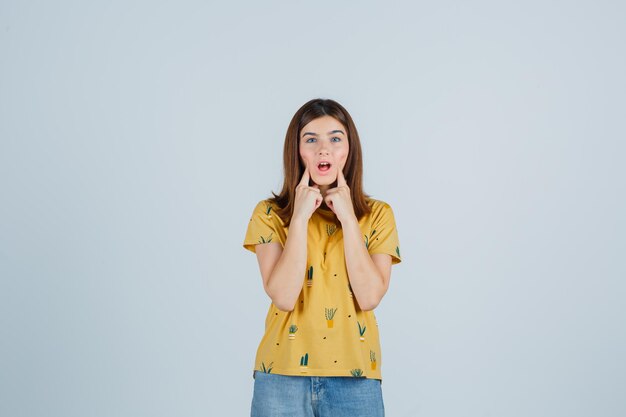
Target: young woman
[325, 250]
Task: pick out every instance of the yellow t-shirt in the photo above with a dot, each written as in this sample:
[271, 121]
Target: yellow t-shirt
[326, 334]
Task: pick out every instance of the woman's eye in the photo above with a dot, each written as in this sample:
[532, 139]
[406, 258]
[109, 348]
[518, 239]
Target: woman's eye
[332, 139]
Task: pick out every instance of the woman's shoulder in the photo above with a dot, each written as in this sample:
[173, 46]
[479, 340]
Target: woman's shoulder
[268, 201]
[379, 209]
[265, 205]
[268, 209]
[377, 204]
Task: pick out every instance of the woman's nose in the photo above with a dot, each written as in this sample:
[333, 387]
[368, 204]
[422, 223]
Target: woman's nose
[323, 150]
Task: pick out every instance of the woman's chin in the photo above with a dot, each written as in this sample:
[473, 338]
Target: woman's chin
[324, 180]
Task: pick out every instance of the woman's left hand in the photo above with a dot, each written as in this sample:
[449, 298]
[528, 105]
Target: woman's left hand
[338, 199]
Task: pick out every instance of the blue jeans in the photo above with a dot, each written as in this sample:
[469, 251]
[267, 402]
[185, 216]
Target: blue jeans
[316, 396]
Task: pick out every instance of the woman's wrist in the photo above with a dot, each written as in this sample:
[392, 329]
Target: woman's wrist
[298, 222]
[350, 221]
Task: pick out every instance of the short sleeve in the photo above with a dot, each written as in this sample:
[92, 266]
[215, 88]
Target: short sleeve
[384, 235]
[261, 227]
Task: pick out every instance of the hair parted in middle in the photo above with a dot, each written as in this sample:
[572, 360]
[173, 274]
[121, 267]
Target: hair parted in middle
[294, 168]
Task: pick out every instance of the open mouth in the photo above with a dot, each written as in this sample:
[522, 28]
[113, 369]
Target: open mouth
[323, 166]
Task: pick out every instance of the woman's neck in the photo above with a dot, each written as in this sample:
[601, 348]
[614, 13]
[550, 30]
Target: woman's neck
[324, 188]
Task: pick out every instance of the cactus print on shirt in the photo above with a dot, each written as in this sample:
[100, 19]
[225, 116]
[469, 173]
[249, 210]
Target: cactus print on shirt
[326, 334]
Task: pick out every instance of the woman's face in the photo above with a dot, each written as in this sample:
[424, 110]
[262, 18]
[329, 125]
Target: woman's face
[324, 139]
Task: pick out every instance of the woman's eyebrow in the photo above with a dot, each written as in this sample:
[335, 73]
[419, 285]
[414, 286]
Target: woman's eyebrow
[315, 134]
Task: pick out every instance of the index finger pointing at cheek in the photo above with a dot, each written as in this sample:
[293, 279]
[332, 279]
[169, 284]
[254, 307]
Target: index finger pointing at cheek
[341, 180]
[305, 176]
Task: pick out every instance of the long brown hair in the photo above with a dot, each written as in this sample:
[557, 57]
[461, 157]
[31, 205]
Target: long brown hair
[294, 169]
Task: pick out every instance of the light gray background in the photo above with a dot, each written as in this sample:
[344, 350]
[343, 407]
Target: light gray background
[136, 138]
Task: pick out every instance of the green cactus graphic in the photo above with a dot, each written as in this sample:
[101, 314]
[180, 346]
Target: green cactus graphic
[292, 331]
[265, 369]
[304, 362]
[330, 229]
[357, 373]
[373, 359]
[361, 331]
[266, 239]
[367, 239]
[330, 313]
[398, 251]
[309, 281]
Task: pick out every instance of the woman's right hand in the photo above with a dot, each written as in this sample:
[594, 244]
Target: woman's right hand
[308, 198]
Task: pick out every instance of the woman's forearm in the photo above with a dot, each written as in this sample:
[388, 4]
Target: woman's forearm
[285, 282]
[365, 278]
